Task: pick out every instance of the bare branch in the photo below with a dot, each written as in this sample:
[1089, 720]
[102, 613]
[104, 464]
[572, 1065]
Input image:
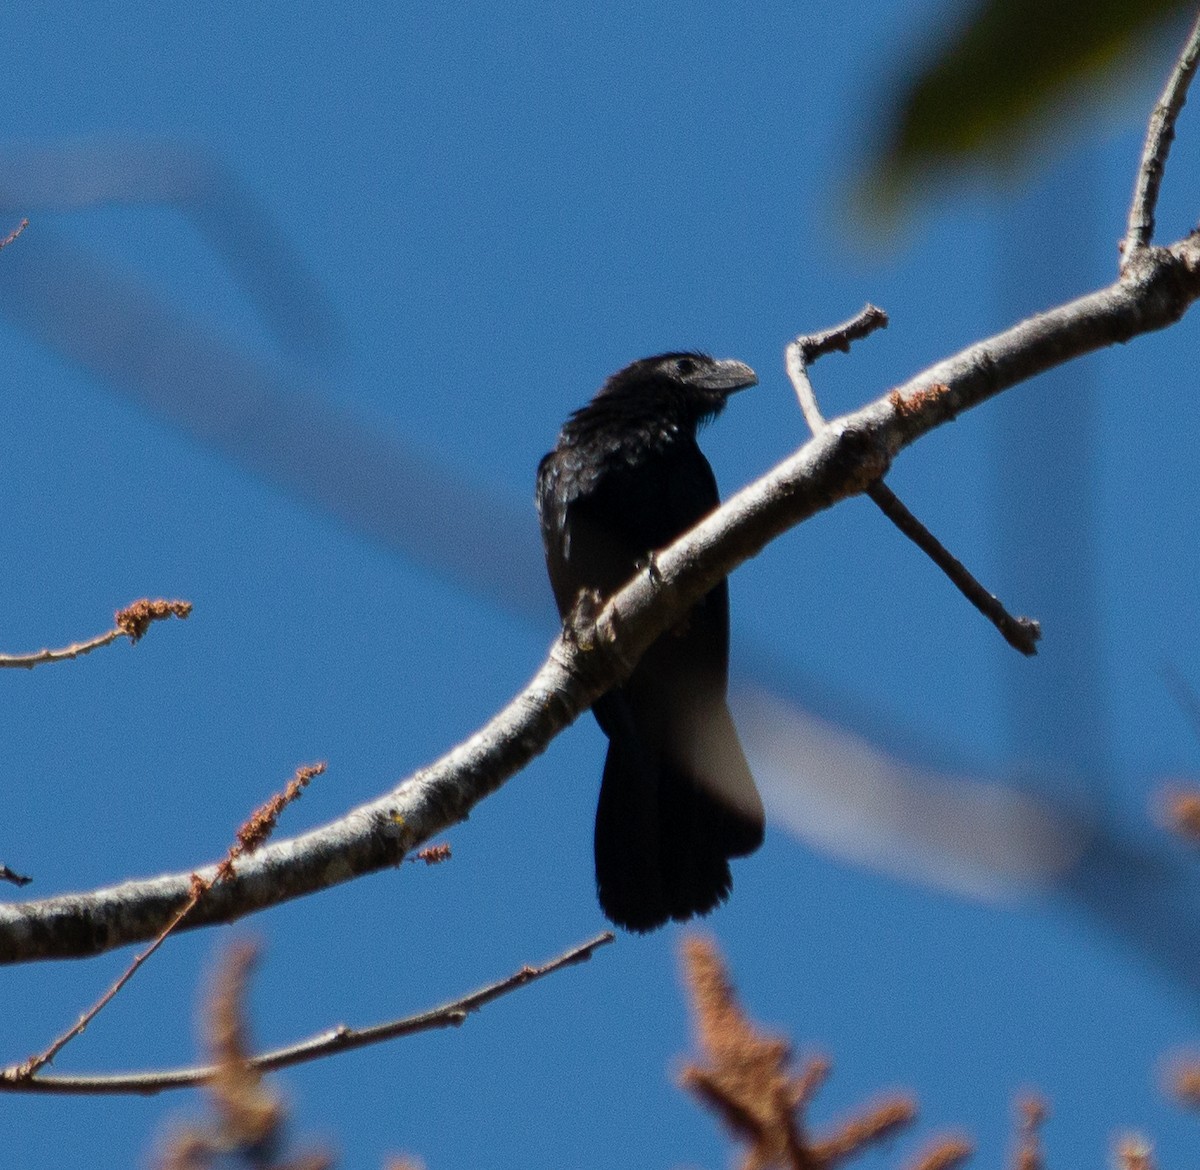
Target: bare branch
[806, 348]
[840, 337]
[249, 837]
[1160, 133]
[8, 239]
[1019, 632]
[849, 454]
[75, 650]
[326, 1043]
[131, 622]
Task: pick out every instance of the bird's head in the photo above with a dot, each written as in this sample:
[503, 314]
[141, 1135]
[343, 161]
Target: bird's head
[692, 387]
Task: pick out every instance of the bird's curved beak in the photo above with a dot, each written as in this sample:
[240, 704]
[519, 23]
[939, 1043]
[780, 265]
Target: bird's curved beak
[729, 376]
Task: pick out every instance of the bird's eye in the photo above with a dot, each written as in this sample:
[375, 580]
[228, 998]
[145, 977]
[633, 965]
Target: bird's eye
[685, 366]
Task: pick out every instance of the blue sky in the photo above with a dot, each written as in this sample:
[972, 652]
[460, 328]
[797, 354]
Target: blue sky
[467, 220]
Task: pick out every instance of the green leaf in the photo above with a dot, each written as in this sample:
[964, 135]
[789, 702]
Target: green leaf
[1005, 81]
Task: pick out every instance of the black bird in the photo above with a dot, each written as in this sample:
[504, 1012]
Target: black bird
[626, 478]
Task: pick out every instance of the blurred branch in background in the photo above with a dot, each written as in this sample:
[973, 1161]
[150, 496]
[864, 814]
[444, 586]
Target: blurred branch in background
[108, 170]
[249, 1119]
[268, 419]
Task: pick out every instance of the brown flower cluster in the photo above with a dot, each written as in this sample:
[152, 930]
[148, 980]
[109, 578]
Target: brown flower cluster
[1031, 1113]
[747, 1081]
[134, 620]
[261, 823]
[1180, 810]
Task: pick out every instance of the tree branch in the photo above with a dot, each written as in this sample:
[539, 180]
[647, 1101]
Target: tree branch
[1155, 289]
[8, 239]
[249, 837]
[805, 349]
[132, 622]
[327, 1043]
[1159, 135]
[1019, 632]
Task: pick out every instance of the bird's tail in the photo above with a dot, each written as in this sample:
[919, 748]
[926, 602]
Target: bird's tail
[668, 822]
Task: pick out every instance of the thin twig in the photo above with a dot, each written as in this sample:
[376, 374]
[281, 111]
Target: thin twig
[131, 622]
[8, 239]
[327, 1043]
[23, 1073]
[75, 650]
[840, 337]
[1019, 632]
[806, 348]
[250, 836]
[1160, 133]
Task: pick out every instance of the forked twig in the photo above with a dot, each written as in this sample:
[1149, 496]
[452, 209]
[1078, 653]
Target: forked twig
[806, 348]
[326, 1043]
[24, 1074]
[249, 837]
[1021, 633]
